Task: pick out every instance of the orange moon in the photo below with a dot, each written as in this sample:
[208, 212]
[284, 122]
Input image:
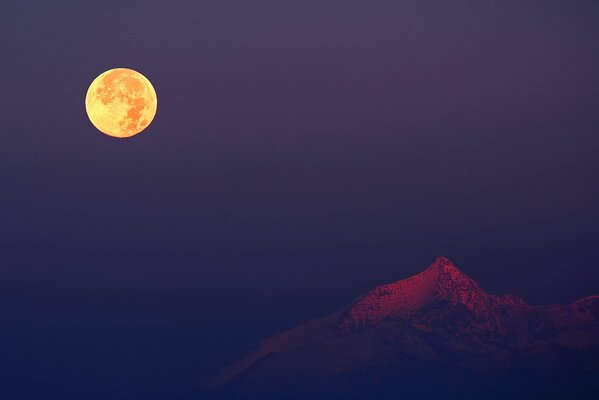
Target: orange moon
[121, 102]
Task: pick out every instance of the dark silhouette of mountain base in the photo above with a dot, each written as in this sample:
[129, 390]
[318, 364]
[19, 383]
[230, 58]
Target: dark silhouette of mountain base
[436, 334]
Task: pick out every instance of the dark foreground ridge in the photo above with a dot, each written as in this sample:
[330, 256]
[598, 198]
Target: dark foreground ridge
[433, 335]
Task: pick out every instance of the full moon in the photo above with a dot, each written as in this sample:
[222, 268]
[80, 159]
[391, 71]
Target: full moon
[121, 102]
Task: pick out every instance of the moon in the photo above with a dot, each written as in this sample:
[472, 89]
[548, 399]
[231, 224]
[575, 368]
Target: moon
[121, 102]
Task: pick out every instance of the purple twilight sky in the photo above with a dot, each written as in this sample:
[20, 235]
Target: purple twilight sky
[303, 152]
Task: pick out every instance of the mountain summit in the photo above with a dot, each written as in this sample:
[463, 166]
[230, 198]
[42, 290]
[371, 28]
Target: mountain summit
[442, 281]
[438, 323]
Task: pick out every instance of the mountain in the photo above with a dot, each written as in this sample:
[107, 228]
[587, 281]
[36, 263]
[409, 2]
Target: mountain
[433, 334]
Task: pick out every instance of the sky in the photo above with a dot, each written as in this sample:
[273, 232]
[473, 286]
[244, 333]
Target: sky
[302, 153]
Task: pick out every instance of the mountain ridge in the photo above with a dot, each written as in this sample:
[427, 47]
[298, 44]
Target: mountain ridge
[441, 280]
[438, 318]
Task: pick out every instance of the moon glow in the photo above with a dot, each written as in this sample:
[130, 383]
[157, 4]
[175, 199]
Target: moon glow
[121, 102]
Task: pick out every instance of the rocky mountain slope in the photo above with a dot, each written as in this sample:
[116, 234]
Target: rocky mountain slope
[437, 322]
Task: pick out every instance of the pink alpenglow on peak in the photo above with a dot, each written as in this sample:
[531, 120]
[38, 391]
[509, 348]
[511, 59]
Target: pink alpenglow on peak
[439, 317]
[440, 281]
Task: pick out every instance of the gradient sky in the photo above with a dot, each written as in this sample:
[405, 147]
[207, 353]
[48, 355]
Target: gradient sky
[303, 152]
